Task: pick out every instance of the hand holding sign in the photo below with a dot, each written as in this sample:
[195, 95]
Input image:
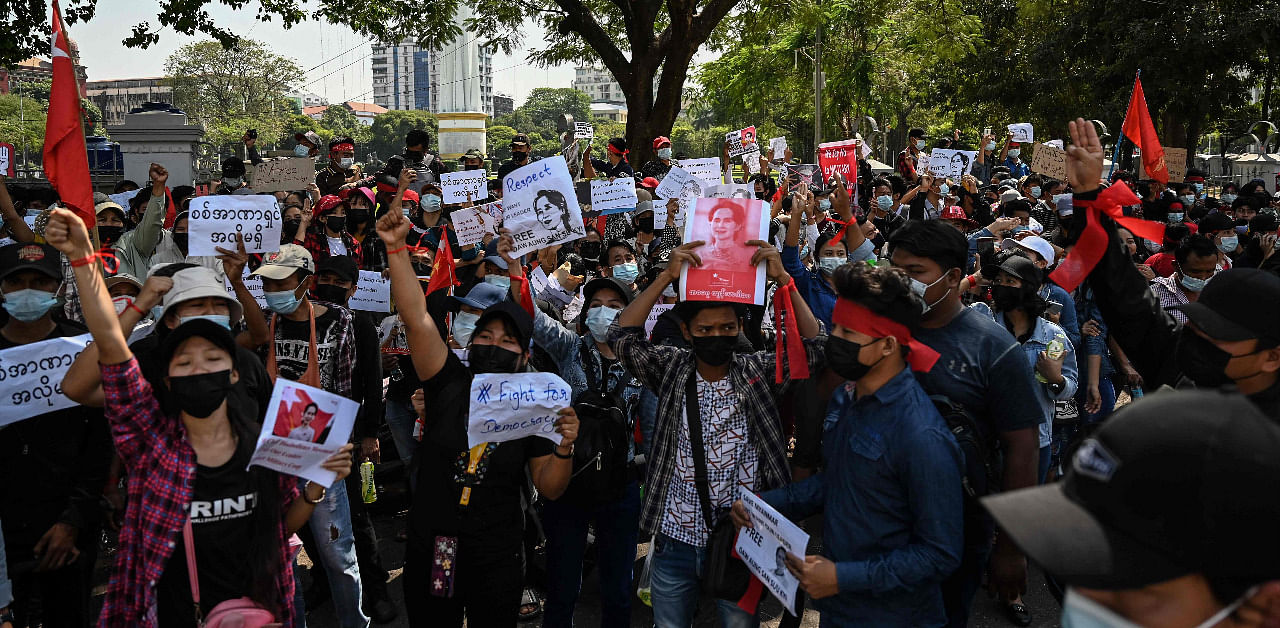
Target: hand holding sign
[1022, 132]
[306, 433]
[769, 544]
[216, 220]
[510, 406]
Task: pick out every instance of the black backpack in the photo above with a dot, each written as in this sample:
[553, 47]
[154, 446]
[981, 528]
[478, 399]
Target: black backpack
[600, 473]
[982, 469]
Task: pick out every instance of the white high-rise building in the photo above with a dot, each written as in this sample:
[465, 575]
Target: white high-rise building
[598, 84]
[456, 77]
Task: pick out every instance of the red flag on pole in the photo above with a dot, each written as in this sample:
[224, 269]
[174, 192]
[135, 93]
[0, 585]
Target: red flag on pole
[1139, 129]
[442, 266]
[66, 163]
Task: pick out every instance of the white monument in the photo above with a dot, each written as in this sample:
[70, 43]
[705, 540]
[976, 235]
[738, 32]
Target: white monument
[458, 93]
[158, 134]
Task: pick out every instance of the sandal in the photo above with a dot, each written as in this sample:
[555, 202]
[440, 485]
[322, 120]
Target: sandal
[530, 605]
[1018, 613]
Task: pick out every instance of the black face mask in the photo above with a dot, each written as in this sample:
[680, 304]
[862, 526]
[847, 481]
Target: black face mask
[413, 156]
[472, 167]
[842, 357]
[199, 395]
[330, 293]
[1201, 360]
[357, 216]
[335, 223]
[1006, 298]
[492, 359]
[180, 240]
[423, 270]
[644, 224]
[589, 249]
[714, 350]
[109, 234]
[519, 157]
[289, 230]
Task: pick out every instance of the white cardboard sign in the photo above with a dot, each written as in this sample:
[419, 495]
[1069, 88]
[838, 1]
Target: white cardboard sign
[741, 141]
[510, 406]
[277, 175]
[540, 205]
[253, 284]
[611, 197]
[583, 131]
[952, 164]
[1023, 132]
[456, 185]
[472, 224]
[765, 545]
[706, 169]
[215, 220]
[373, 293]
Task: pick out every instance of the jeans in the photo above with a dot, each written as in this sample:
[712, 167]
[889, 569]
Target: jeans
[1107, 391]
[1045, 456]
[674, 575]
[400, 419]
[617, 526]
[330, 525]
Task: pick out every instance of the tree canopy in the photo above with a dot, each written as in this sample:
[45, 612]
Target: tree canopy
[389, 130]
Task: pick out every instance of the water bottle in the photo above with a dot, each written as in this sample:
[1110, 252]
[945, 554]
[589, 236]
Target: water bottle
[1135, 393]
[1054, 350]
[368, 490]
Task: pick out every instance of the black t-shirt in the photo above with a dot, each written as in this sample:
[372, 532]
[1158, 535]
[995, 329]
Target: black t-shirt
[248, 397]
[621, 169]
[493, 518]
[223, 503]
[293, 347]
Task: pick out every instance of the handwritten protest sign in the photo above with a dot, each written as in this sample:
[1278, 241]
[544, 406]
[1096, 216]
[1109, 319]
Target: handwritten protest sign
[726, 273]
[839, 157]
[373, 293]
[765, 545]
[1056, 144]
[6, 159]
[1050, 160]
[215, 220]
[252, 284]
[654, 313]
[540, 206]
[456, 186]
[31, 377]
[741, 141]
[1023, 132]
[611, 197]
[583, 131]
[1175, 159]
[779, 147]
[290, 173]
[304, 426]
[952, 164]
[123, 199]
[751, 161]
[706, 169]
[678, 184]
[510, 406]
[472, 224]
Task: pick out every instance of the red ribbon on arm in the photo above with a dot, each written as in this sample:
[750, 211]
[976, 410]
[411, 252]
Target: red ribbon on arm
[787, 342]
[1094, 239]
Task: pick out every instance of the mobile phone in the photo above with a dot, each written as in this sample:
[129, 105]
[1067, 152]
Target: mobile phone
[1054, 309]
[253, 134]
[986, 130]
[986, 246]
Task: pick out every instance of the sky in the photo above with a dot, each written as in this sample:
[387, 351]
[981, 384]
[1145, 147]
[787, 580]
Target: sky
[336, 59]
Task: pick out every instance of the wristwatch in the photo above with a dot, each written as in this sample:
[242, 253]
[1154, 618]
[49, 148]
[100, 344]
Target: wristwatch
[306, 486]
[6, 616]
[556, 450]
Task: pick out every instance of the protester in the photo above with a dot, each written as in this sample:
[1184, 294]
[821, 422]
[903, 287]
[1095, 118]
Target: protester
[659, 167]
[328, 235]
[616, 166]
[520, 155]
[340, 173]
[419, 156]
[909, 158]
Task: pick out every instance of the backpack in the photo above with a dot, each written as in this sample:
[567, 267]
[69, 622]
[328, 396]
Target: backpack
[600, 470]
[982, 470]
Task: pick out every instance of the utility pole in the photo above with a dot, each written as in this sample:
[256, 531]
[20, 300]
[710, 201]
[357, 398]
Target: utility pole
[818, 81]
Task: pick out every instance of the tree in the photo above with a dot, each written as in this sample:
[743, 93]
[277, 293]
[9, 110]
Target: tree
[499, 138]
[233, 90]
[23, 122]
[545, 104]
[341, 122]
[389, 130]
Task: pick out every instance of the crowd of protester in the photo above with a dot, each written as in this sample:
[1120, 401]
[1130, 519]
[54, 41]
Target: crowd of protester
[963, 347]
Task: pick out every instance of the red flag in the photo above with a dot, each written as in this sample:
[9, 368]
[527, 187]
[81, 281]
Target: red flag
[442, 265]
[1139, 129]
[66, 163]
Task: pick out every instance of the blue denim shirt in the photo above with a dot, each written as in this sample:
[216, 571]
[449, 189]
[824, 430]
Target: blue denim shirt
[893, 504]
[1017, 167]
[813, 287]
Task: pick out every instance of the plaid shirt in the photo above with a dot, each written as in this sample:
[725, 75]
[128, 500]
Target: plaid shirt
[907, 165]
[162, 466]
[667, 370]
[1166, 289]
[317, 243]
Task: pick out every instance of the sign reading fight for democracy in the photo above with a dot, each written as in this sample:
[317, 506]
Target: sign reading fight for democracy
[765, 545]
[583, 131]
[706, 169]
[839, 157]
[611, 197]
[540, 206]
[741, 141]
[952, 164]
[215, 220]
[253, 285]
[1051, 160]
[304, 426]
[457, 185]
[726, 273]
[1022, 132]
[277, 175]
[31, 377]
[509, 406]
[473, 223]
[373, 293]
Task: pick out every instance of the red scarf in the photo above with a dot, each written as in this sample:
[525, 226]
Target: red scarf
[853, 316]
[788, 344]
[1094, 240]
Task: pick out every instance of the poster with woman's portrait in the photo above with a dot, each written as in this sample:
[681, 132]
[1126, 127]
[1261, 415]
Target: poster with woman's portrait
[726, 273]
[952, 164]
[540, 205]
[302, 428]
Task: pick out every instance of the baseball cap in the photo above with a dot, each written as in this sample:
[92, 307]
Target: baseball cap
[1009, 195]
[606, 283]
[520, 139]
[473, 153]
[660, 140]
[108, 206]
[650, 182]
[1037, 244]
[955, 212]
[198, 282]
[123, 278]
[491, 254]
[1171, 485]
[283, 263]
[482, 295]
[232, 167]
[309, 136]
[512, 311]
[1237, 304]
[341, 265]
[30, 256]
[327, 202]
[213, 332]
[366, 192]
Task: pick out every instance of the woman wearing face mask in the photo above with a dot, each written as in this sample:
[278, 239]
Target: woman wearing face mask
[369, 252]
[829, 254]
[467, 502]
[985, 160]
[182, 447]
[326, 234]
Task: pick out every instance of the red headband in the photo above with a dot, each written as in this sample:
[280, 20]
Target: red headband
[853, 316]
[615, 151]
[338, 148]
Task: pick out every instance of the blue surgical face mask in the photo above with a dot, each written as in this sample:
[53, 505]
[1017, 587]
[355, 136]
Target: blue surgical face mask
[29, 305]
[1079, 611]
[1036, 191]
[829, 265]
[884, 201]
[1199, 188]
[944, 189]
[920, 144]
[464, 324]
[301, 151]
[157, 312]
[1228, 244]
[824, 204]
[664, 153]
[1188, 199]
[991, 145]
[627, 272]
[1228, 198]
[501, 281]
[1191, 283]
[430, 203]
[598, 320]
[1014, 152]
[1176, 216]
[282, 302]
[221, 319]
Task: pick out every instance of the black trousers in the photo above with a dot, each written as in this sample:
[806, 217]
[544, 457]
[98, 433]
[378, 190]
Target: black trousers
[486, 587]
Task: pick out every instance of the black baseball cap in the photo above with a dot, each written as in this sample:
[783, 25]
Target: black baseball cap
[1023, 269]
[233, 167]
[1237, 304]
[520, 139]
[1178, 483]
[341, 265]
[21, 256]
[513, 312]
[606, 283]
[213, 332]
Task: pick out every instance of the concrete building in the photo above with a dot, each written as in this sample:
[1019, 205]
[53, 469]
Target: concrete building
[305, 99]
[117, 97]
[37, 69]
[365, 112]
[503, 105]
[609, 111]
[598, 84]
[456, 77]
